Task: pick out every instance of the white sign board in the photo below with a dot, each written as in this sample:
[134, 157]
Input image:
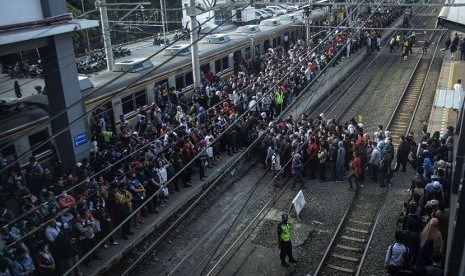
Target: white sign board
[298, 202]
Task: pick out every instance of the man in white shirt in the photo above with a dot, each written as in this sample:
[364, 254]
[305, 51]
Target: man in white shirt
[458, 89]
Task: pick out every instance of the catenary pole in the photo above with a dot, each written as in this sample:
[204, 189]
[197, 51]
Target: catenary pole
[192, 12]
[106, 33]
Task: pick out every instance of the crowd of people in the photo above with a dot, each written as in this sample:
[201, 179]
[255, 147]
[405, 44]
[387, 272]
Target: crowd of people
[420, 239]
[65, 213]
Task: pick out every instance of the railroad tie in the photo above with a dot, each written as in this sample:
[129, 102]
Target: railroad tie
[335, 267]
[353, 239]
[360, 222]
[346, 258]
[350, 248]
[356, 230]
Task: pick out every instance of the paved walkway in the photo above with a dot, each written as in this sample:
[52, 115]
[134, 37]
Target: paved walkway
[452, 69]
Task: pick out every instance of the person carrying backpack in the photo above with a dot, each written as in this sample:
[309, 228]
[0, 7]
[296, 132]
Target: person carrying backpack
[396, 255]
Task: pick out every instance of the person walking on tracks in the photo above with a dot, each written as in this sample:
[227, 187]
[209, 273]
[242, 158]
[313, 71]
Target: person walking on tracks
[425, 46]
[284, 241]
[392, 44]
[405, 48]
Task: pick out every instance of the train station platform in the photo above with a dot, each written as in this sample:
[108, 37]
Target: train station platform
[444, 111]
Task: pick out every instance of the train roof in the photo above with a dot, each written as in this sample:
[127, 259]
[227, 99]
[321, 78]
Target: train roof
[105, 82]
[165, 63]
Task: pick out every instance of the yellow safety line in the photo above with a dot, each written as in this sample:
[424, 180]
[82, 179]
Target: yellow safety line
[446, 120]
[451, 76]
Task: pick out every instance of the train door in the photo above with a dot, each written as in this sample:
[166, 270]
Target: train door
[266, 45]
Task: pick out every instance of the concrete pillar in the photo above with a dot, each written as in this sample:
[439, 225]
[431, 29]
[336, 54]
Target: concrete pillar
[61, 80]
[64, 94]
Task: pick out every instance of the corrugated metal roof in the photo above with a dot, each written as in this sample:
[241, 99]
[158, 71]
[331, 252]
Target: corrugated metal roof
[449, 99]
[453, 17]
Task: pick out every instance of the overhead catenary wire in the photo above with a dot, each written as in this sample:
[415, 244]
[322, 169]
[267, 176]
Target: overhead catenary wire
[156, 242]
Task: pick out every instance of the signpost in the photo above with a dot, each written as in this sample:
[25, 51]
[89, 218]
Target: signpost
[80, 139]
[298, 203]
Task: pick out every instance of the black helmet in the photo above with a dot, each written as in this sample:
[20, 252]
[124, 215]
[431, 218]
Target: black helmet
[285, 216]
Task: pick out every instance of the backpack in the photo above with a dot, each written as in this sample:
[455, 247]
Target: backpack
[394, 269]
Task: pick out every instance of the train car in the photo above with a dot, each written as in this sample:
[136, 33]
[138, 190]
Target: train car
[128, 92]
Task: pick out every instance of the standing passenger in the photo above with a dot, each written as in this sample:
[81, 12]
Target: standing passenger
[296, 170]
[356, 171]
[340, 161]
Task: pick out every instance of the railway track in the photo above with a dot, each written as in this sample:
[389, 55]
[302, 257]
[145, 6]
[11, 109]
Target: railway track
[346, 250]
[349, 246]
[402, 119]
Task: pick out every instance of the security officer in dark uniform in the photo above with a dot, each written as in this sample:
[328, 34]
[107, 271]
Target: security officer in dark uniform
[284, 240]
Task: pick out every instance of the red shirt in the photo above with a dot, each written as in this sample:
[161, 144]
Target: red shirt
[357, 165]
[312, 150]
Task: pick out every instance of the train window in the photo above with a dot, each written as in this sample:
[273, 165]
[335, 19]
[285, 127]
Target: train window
[189, 79]
[225, 63]
[205, 68]
[247, 53]
[275, 43]
[37, 139]
[279, 40]
[162, 83]
[218, 66]
[127, 104]
[180, 82]
[9, 153]
[140, 98]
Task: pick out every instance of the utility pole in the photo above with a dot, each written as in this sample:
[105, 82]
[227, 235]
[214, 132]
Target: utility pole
[87, 33]
[102, 5]
[163, 19]
[307, 13]
[192, 12]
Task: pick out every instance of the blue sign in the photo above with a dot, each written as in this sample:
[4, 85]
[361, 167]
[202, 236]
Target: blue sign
[80, 139]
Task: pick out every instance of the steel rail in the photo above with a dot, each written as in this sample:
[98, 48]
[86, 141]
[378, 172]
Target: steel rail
[424, 83]
[336, 234]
